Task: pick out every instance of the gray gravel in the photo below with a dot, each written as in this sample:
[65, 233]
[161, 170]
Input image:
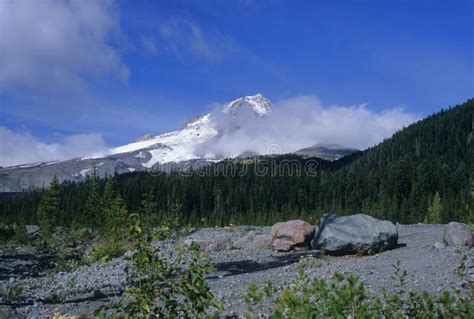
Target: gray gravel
[429, 268]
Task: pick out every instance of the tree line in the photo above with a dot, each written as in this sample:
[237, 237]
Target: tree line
[423, 173]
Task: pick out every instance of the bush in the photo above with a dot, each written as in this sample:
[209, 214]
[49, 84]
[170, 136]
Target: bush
[12, 292]
[346, 297]
[15, 234]
[161, 289]
[106, 251]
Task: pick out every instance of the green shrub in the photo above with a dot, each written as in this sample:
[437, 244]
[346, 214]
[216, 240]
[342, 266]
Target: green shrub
[160, 289]
[106, 251]
[346, 297]
[15, 234]
[13, 291]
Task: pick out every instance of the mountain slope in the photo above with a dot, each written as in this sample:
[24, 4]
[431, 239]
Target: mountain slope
[181, 145]
[399, 177]
[329, 152]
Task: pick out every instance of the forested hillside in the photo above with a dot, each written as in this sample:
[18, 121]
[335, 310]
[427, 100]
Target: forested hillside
[422, 173]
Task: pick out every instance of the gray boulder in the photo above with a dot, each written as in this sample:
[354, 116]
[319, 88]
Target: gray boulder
[458, 235]
[208, 245]
[354, 234]
[254, 241]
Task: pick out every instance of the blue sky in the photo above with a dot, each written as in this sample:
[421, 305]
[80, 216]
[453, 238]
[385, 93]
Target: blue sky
[127, 67]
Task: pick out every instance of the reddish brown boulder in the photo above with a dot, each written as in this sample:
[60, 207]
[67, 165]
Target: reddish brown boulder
[292, 235]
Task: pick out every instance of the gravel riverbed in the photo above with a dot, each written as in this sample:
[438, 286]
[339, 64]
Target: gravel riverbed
[430, 266]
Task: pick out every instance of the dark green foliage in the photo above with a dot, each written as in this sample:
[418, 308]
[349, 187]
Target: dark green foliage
[434, 211]
[115, 223]
[148, 211]
[92, 214]
[470, 204]
[14, 233]
[397, 180]
[49, 209]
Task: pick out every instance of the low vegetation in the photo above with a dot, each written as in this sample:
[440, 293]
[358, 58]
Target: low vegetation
[14, 234]
[161, 289]
[106, 251]
[346, 297]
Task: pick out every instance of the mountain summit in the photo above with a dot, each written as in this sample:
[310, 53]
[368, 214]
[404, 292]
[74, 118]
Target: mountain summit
[259, 104]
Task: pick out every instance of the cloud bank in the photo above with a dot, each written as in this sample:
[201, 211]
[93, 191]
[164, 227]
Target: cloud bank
[53, 46]
[303, 121]
[22, 148]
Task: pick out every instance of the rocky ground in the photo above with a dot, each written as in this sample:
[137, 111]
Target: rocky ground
[31, 290]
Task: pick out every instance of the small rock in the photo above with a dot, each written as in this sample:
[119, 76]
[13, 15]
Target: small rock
[439, 245]
[128, 254]
[32, 230]
[189, 242]
[11, 280]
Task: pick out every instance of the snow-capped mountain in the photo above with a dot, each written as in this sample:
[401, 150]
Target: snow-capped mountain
[259, 104]
[184, 147]
[147, 151]
[181, 145]
[175, 146]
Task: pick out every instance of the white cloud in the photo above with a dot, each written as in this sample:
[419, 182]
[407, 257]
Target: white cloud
[21, 148]
[181, 35]
[49, 46]
[303, 121]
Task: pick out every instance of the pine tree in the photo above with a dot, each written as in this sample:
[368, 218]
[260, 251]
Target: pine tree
[109, 194]
[470, 218]
[116, 220]
[434, 210]
[49, 208]
[175, 219]
[470, 143]
[148, 210]
[148, 204]
[93, 210]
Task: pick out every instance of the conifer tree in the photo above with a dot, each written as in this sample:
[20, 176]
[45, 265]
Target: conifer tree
[92, 209]
[148, 209]
[49, 208]
[109, 193]
[470, 143]
[116, 220]
[434, 210]
[470, 218]
[107, 201]
[148, 204]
